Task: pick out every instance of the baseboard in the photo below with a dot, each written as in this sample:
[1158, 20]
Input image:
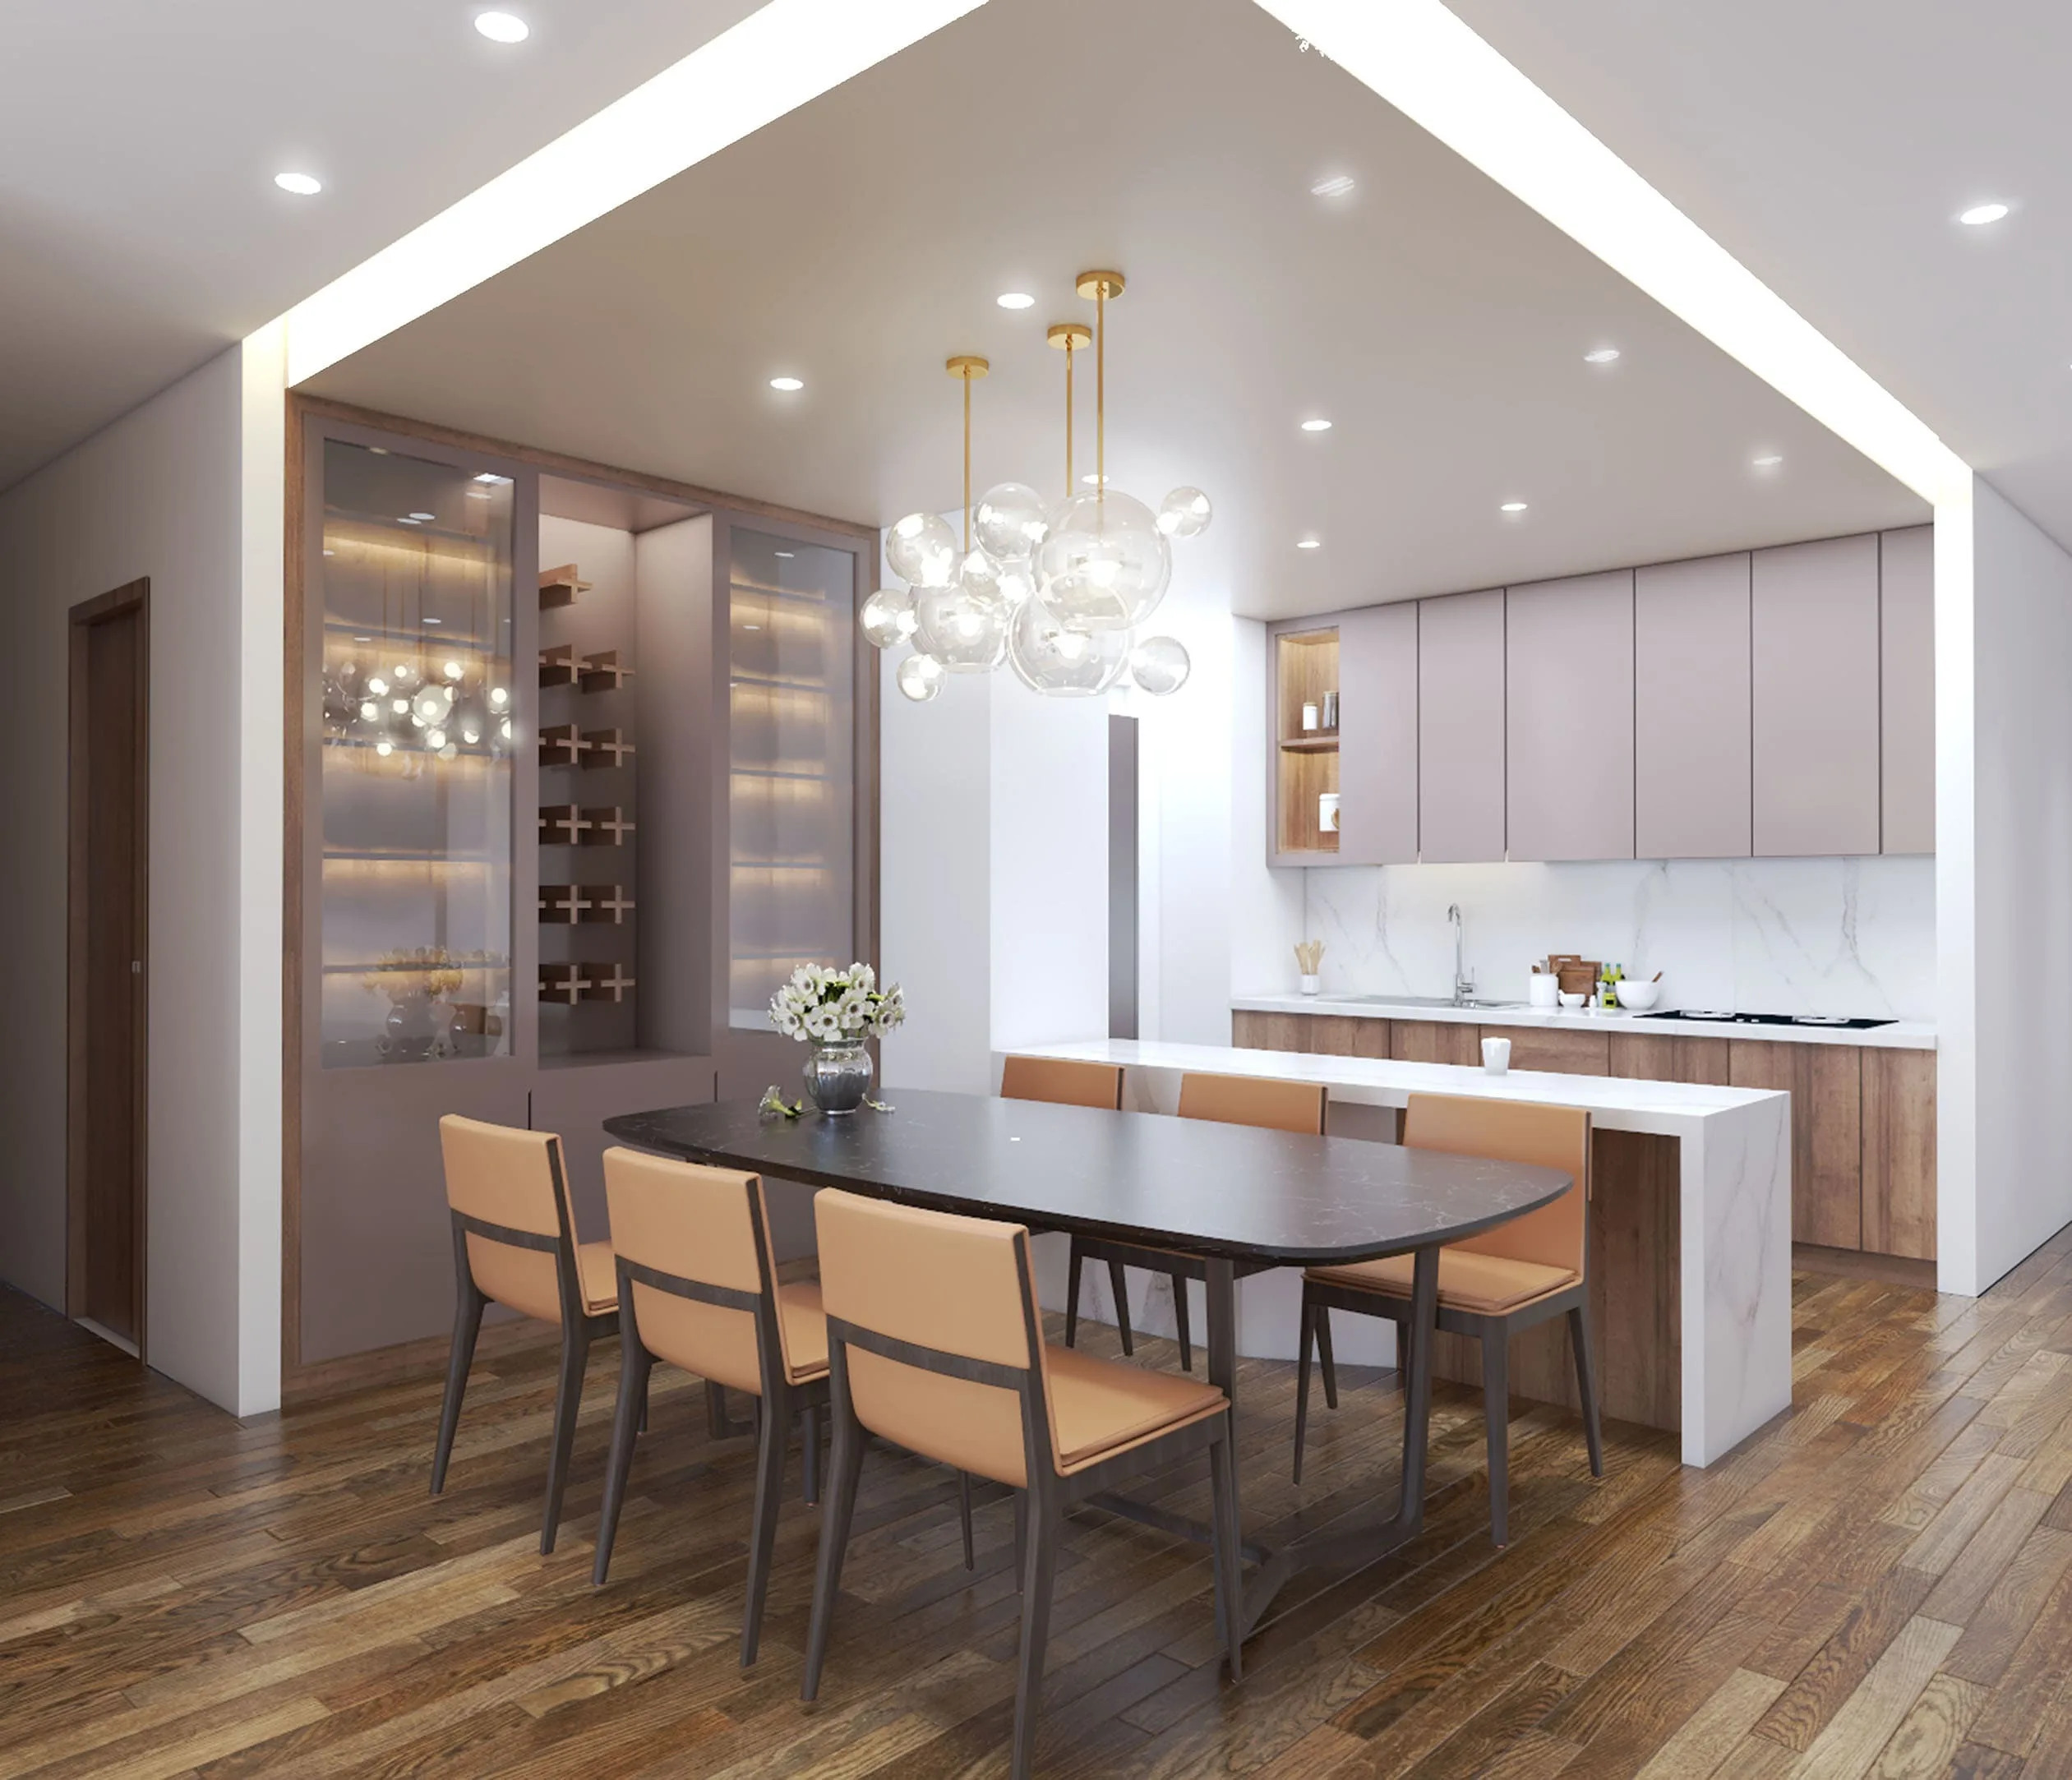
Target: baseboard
[1857, 1264]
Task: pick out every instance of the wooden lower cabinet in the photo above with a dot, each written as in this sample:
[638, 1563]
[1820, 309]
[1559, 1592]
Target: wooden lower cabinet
[1559, 1053]
[1271, 1031]
[1434, 1041]
[1900, 1153]
[1826, 1082]
[1645, 1057]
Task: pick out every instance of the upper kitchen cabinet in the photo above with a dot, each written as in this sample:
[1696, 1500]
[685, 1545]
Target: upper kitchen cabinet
[1813, 625]
[1691, 710]
[1460, 728]
[1302, 745]
[1569, 704]
[1906, 659]
[1378, 720]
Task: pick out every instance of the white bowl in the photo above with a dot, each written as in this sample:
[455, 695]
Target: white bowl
[1572, 1001]
[1639, 996]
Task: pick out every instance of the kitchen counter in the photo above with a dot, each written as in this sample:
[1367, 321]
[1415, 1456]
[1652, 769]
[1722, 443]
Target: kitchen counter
[1691, 1246]
[1901, 1035]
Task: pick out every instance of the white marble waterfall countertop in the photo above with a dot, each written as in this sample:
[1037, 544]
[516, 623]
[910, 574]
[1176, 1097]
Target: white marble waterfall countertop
[1734, 1199]
[1901, 1035]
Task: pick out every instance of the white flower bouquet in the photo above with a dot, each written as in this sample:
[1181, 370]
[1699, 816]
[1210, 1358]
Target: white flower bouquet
[821, 1006]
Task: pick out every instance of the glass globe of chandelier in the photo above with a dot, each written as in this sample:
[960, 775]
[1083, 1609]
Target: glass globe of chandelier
[1059, 593]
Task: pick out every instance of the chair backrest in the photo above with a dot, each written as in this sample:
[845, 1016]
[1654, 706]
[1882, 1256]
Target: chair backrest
[514, 1179]
[1066, 1082]
[706, 1226]
[1251, 1101]
[956, 1285]
[1513, 1130]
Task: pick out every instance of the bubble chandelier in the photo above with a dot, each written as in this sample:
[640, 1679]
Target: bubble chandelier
[1058, 593]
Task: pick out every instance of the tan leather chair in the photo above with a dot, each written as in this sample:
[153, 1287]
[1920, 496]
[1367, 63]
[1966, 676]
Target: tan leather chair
[697, 1289]
[1295, 1106]
[1491, 1286]
[936, 1344]
[514, 1243]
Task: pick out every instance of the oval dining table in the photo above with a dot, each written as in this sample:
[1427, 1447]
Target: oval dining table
[1238, 1197]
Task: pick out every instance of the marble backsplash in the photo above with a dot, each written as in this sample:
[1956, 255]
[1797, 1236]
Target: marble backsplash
[1828, 936]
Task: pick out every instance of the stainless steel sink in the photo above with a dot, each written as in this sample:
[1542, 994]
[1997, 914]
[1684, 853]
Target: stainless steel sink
[1427, 1001]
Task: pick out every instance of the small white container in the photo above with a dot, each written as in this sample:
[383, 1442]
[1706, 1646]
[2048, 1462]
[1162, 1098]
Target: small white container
[1496, 1056]
[1568, 1000]
[1543, 989]
[1639, 996]
[1308, 718]
[1311, 984]
[1327, 811]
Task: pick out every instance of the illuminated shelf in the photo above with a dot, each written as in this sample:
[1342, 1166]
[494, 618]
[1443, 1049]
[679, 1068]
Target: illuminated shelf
[462, 643]
[777, 864]
[740, 677]
[335, 856]
[376, 968]
[791, 595]
[775, 773]
[1311, 744]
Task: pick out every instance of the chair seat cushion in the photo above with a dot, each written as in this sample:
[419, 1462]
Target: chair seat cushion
[805, 1330]
[598, 1273]
[1468, 1280]
[1100, 1407]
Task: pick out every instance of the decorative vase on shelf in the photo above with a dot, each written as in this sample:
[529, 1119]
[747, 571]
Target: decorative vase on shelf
[1311, 982]
[837, 1075]
[410, 1031]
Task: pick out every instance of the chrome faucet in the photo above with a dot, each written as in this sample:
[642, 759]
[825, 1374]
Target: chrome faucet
[1463, 983]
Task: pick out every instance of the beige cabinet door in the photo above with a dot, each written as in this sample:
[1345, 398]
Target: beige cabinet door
[1377, 722]
[1907, 704]
[1460, 728]
[1691, 710]
[1568, 703]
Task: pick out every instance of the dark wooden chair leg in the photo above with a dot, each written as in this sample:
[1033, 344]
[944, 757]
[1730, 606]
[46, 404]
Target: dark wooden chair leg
[844, 1466]
[1072, 1294]
[1230, 1576]
[568, 1405]
[1020, 1534]
[635, 1364]
[1179, 1321]
[810, 1442]
[776, 1434]
[1496, 1409]
[466, 1325]
[1579, 1340]
[643, 1397]
[1306, 1333]
[964, 1516]
[1119, 1281]
[1039, 1574]
[1326, 1358]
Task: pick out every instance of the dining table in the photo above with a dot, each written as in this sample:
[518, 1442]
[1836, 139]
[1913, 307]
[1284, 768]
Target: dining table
[1238, 1197]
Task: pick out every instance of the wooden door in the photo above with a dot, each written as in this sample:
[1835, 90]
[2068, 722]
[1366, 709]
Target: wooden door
[105, 1048]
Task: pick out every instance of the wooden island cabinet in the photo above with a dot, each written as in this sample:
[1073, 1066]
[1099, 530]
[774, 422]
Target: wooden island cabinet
[1863, 1117]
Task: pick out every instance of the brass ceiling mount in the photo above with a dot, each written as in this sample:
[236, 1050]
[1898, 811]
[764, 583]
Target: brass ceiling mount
[1093, 285]
[967, 365]
[1070, 336]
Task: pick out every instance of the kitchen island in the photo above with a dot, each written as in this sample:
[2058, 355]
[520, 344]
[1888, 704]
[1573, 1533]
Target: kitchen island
[1690, 1242]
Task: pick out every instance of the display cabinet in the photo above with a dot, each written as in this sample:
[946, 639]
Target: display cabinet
[1304, 704]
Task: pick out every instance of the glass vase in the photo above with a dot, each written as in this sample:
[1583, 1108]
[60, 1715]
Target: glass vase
[837, 1075]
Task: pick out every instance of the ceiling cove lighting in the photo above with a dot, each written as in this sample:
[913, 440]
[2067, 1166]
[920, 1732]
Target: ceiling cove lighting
[502, 27]
[1316, 425]
[787, 385]
[1427, 63]
[302, 185]
[1979, 215]
[781, 56]
[1015, 299]
[1336, 187]
[1602, 355]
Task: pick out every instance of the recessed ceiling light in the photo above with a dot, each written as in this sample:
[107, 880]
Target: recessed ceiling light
[751, 627]
[424, 518]
[1602, 355]
[784, 553]
[435, 620]
[1336, 186]
[1980, 214]
[1309, 543]
[302, 185]
[1769, 461]
[1015, 299]
[786, 383]
[1093, 481]
[408, 518]
[1316, 425]
[1512, 506]
[502, 27]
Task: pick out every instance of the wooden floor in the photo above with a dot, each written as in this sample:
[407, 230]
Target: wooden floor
[1880, 1582]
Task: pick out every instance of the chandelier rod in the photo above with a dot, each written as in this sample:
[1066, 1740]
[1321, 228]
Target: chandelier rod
[967, 366]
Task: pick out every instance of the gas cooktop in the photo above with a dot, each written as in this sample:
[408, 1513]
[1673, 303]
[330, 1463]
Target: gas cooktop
[1830, 1020]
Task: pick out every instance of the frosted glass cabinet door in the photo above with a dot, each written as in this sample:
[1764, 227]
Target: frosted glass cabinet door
[1378, 736]
[1569, 699]
[1814, 634]
[1907, 641]
[1691, 710]
[1460, 728]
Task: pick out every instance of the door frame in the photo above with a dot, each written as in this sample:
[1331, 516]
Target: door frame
[135, 596]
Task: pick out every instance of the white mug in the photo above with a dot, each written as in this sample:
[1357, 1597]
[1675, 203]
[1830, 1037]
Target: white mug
[1496, 1056]
[1327, 811]
[1309, 716]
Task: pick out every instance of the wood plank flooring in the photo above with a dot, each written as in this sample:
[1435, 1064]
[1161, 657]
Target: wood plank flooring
[1879, 1584]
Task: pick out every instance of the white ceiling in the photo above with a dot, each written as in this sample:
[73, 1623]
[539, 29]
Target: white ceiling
[140, 228]
[1829, 146]
[856, 242]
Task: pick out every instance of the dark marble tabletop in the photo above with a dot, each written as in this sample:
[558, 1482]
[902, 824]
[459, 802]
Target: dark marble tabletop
[1214, 1189]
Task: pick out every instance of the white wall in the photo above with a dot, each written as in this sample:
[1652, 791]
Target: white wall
[162, 493]
[1828, 936]
[2005, 839]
